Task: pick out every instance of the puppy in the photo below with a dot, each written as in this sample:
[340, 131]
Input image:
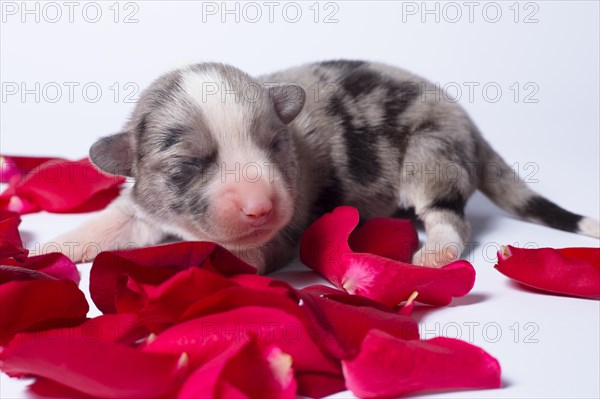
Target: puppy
[217, 155]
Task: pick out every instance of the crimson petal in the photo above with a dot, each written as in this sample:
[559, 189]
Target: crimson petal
[319, 385]
[229, 376]
[324, 248]
[154, 265]
[11, 245]
[166, 302]
[124, 372]
[121, 328]
[62, 186]
[53, 264]
[388, 237]
[17, 167]
[389, 367]
[204, 337]
[39, 304]
[569, 271]
[342, 321]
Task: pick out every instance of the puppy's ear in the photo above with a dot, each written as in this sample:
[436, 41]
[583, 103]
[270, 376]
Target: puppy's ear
[288, 100]
[114, 154]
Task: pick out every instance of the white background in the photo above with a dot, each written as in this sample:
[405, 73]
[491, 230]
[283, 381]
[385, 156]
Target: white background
[553, 142]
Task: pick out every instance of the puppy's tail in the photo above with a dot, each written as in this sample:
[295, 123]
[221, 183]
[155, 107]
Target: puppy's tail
[504, 187]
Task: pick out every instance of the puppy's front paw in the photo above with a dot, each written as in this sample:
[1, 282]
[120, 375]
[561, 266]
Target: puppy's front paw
[76, 246]
[435, 255]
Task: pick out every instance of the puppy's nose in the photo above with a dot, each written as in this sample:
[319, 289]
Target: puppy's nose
[257, 212]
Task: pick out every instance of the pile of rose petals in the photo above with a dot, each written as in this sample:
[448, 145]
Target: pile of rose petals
[55, 185]
[190, 320]
[568, 271]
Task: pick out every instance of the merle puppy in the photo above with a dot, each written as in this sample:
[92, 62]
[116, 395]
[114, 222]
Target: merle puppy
[217, 155]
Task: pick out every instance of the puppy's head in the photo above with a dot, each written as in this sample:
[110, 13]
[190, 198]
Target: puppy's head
[210, 153]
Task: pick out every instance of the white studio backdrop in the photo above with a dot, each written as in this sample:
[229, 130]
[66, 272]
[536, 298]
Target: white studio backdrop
[527, 72]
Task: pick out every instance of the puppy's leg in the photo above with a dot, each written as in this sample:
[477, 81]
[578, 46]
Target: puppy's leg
[447, 231]
[116, 227]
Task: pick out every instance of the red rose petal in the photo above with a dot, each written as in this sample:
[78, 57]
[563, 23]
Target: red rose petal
[204, 337]
[569, 271]
[249, 370]
[166, 303]
[319, 385]
[324, 248]
[154, 265]
[389, 367]
[391, 282]
[237, 296]
[388, 237]
[62, 186]
[342, 321]
[202, 383]
[18, 167]
[122, 328]
[326, 241]
[52, 264]
[11, 245]
[98, 369]
[259, 282]
[51, 389]
[16, 273]
[39, 304]
[409, 305]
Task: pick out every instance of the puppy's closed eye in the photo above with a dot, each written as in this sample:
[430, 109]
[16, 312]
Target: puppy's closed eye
[279, 142]
[188, 169]
[198, 164]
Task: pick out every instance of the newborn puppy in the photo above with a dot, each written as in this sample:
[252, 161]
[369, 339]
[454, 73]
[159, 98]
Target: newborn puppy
[217, 155]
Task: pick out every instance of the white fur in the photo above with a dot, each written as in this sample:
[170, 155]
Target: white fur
[590, 227]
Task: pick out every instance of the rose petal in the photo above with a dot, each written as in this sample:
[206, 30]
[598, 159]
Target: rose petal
[166, 302]
[62, 186]
[342, 321]
[235, 297]
[154, 265]
[388, 237]
[569, 271]
[53, 264]
[249, 370]
[51, 389]
[409, 305]
[204, 337]
[98, 369]
[17, 273]
[389, 367]
[18, 167]
[319, 385]
[203, 382]
[11, 245]
[391, 282]
[39, 304]
[122, 328]
[324, 248]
